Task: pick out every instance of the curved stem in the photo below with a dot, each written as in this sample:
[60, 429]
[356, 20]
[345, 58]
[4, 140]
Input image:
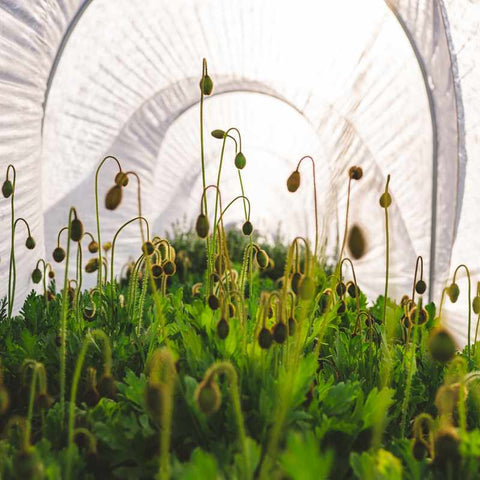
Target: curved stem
[469, 302]
[419, 261]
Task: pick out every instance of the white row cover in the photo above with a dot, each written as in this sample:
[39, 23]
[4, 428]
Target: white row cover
[388, 85]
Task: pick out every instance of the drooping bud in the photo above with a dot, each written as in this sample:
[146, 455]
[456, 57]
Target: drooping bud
[223, 329]
[206, 85]
[247, 228]
[169, 268]
[113, 197]
[447, 449]
[265, 338]
[220, 134]
[76, 230]
[157, 270]
[453, 292]
[476, 305]
[92, 265]
[420, 287]
[240, 160]
[44, 401]
[148, 248]
[58, 254]
[262, 258]
[356, 242]
[27, 464]
[107, 387]
[293, 181]
[107, 246]
[51, 274]
[385, 200]
[7, 188]
[280, 332]
[442, 345]
[352, 290]
[30, 242]
[121, 179]
[419, 450]
[208, 397]
[37, 275]
[202, 226]
[341, 289]
[89, 312]
[355, 173]
[93, 247]
[213, 302]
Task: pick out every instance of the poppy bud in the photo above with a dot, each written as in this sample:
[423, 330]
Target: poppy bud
[148, 248]
[157, 270]
[447, 449]
[355, 173]
[113, 197]
[208, 397]
[420, 287]
[385, 200]
[27, 464]
[291, 326]
[93, 247]
[154, 399]
[293, 181]
[121, 179]
[442, 345]
[352, 290]
[76, 230]
[51, 274]
[306, 288]
[169, 268]
[206, 85]
[213, 302]
[30, 243]
[280, 332]
[223, 329]
[89, 313]
[265, 338]
[262, 258]
[422, 316]
[4, 399]
[419, 450]
[107, 387]
[36, 275]
[356, 242]
[58, 254]
[92, 265]
[107, 246]
[202, 226]
[240, 160]
[341, 307]
[476, 305]
[247, 228]
[220, 134]
[7, 188]
[453, 292]
[341, 289]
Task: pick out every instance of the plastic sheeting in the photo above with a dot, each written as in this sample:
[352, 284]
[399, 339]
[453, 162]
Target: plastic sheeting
[386, 85]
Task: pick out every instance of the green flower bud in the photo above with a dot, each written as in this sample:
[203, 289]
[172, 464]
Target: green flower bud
[442, 345]
[76, 230]
[36, 275]
[453, 292]
[213, 302]
[420, 287]
[121, 179]
[355, 173]
[240, 160]
[169, 268]
[262, 258]
[306, 288]
[202, 226]
[7, 188]
[352, 289]
[293, 181]
[265, 338]
[30, 243]
[356, 242]
[157, 270]
[27, 464]
[58, 254]
[280, 332]
[51, 274]
[208, 397]
[223, 329]
[148, 248]
[93, 247]
[476, 305]
[385, 200]
[341, 289]
[113, 197]
[220, 134]
[92, 265]
[206, 85]
[247, 228]
[447, 449]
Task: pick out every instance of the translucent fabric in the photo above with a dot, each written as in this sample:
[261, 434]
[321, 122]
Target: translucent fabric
[389, 86]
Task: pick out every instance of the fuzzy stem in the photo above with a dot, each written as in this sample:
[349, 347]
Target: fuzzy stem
[387, 256]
